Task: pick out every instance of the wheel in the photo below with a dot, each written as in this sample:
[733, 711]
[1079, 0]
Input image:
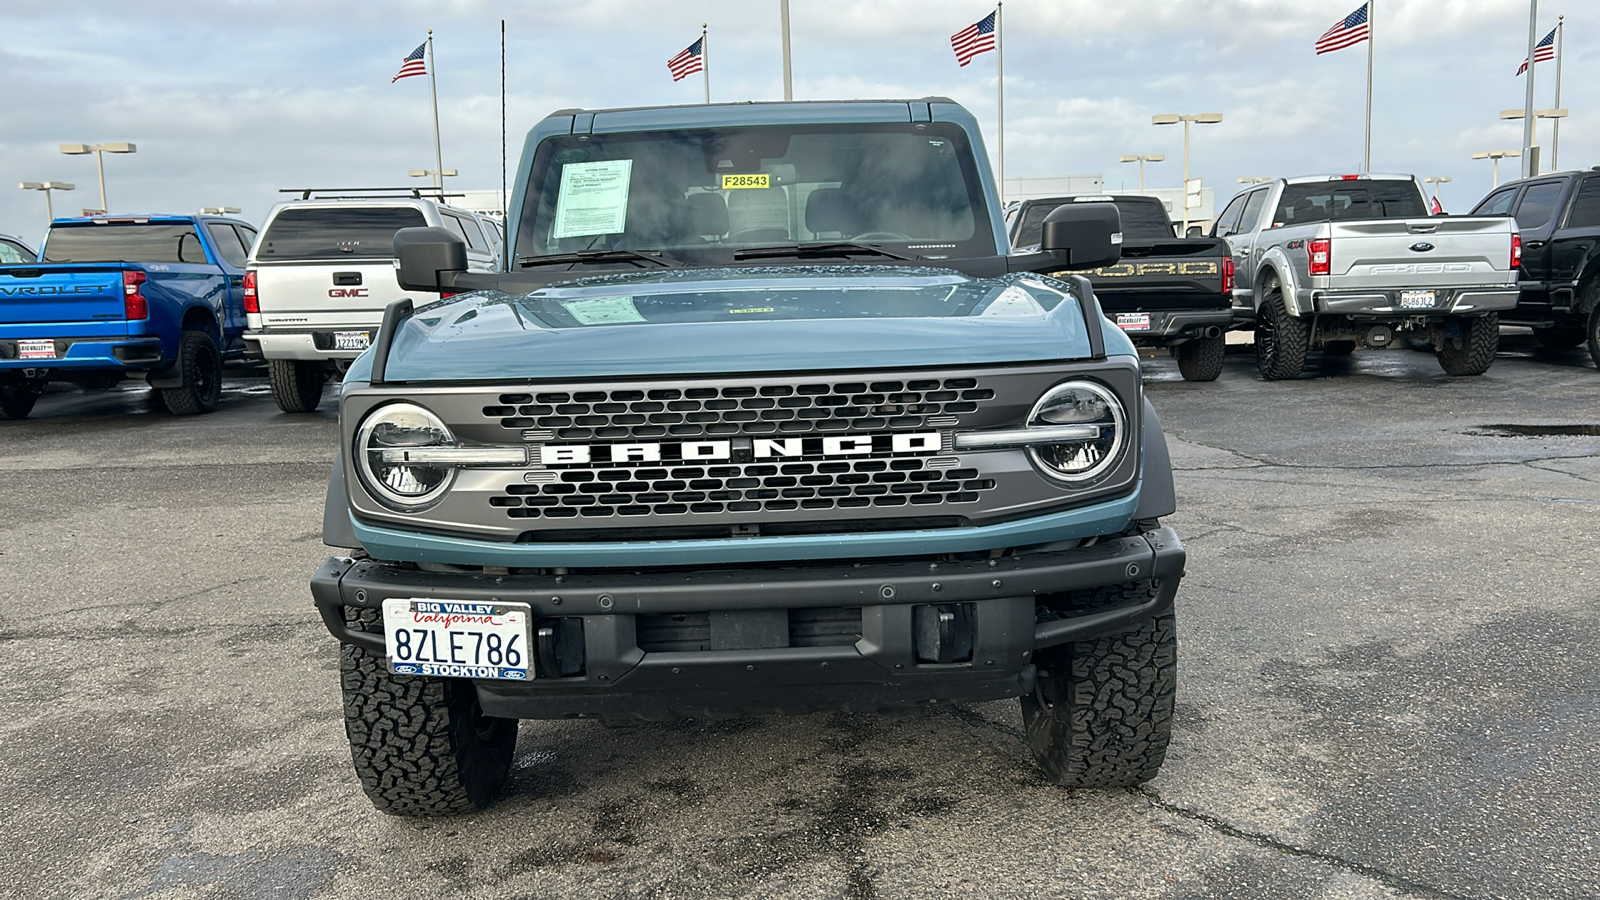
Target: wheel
[1339, 348]
[296, 385]
[421, 746]
[1559, 338]
[1100, 714]
[1200, 359]
[1593, 332]
[17, 399]
[200, 364]
[1281, 339]
[1471, 350]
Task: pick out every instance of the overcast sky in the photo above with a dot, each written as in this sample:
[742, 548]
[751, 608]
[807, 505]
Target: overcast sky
[230, 101]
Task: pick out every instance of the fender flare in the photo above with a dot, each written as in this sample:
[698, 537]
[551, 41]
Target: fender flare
[1276, 264]
[336, 528]
[1157, 495]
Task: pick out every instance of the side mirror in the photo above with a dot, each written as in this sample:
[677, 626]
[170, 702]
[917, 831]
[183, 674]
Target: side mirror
[1194, 231]
[1089, 233]
[425, 254]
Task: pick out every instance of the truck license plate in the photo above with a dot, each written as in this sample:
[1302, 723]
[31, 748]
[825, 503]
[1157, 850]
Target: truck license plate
[45, 349]
[457, 638]
[351, 340]
[1416, 299]
[1133, 321]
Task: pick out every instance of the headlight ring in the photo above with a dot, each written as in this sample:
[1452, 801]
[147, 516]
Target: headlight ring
[402, 486]
[1079, 403]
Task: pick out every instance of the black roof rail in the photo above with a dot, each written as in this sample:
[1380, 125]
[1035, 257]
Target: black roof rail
[415, 193]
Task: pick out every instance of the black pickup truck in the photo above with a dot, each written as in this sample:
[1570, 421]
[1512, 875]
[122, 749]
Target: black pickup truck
[1558, 215]
[1169, 292]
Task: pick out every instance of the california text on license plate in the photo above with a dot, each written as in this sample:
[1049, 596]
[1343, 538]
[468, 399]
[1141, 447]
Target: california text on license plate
[1416, 299]
[1133, 321]
[36, 349]
[351, 340]
[457, 638]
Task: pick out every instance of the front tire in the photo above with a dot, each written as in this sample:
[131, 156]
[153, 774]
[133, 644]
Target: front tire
[296, 385]
[1100, 714]
[1559, 338]
[1200, 359]
[17, 399]
[1281, 339]
[421, 746]
[1473, 351]
[200, 365]
[1594, 334]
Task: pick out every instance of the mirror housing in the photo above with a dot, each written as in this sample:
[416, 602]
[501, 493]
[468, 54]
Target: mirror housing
[1089, 234]
[1194, 232]
[425, 255]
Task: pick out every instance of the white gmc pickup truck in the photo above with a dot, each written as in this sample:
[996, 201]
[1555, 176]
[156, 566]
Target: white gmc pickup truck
[1333, 262]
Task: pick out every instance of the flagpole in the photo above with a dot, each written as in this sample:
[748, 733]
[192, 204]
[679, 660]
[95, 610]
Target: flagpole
[1000, 46]
[705, 60]
[1528, 168]
[433, 88]
[1555, 141]
[1372, 37]
[504, 201]
[788, 74]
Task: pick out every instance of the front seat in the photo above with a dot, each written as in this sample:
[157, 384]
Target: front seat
[827, 210]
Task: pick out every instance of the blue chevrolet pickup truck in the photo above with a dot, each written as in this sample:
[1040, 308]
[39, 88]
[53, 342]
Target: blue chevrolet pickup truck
[761, 416]
[155, 296]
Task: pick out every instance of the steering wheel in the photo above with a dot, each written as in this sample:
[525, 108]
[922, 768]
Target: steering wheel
[881, 236]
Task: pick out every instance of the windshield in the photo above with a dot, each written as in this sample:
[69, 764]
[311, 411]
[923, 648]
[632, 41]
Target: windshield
[324, 233]
[172, 243]
[1340, 200]
[1142, 219]
[701, 194]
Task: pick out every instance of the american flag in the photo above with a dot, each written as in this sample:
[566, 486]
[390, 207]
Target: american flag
[413, 65]
[1544, 51]
[1347, 32]
[690, 60]
[974, 39]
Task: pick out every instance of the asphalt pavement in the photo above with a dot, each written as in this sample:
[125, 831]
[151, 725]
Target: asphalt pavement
[1389, 681]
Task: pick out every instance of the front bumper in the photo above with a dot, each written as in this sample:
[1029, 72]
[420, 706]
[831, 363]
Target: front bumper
[303, 345]
[883, 667]
[1386, 304]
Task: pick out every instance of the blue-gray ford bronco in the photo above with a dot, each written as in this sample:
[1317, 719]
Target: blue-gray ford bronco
[760, 416]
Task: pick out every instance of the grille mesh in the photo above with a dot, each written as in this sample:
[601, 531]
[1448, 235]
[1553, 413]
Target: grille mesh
[742, 488]
[747, 409]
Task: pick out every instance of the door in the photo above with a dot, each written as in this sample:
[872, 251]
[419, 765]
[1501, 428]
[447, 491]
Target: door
[1574, 245]
[231, 253]
[1243, 240]
[1536, 217]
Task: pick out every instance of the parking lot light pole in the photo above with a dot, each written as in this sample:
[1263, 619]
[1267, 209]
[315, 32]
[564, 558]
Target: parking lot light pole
[1531, 165]
[1436, 180]
[99, 160]
[1141, 159]
[47, 187]
[219, 210]
[1496, 155]
[1173, 119]
[1256, 180]
[428, 173]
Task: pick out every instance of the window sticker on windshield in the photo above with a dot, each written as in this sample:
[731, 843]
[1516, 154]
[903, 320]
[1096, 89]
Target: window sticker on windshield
[593, 198]
[603, 311]
[734, 182]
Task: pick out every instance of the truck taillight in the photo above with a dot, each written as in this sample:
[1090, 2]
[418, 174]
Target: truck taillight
[133, 302]
[1516, 251]
[1227, 275]
[1321, 255]
[251, 304]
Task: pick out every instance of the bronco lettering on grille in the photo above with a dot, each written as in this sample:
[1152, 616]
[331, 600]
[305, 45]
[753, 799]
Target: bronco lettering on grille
[760, 448]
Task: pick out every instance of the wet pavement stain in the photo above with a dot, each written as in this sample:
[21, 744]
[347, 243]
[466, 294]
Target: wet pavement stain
[1536, 431]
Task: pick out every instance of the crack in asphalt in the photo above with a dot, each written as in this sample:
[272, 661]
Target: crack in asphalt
[1266, 462]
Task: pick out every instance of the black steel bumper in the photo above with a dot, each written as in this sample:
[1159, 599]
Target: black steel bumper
[885, 666]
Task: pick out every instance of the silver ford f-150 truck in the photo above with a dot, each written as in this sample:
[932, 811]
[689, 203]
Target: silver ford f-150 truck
[1335, 262]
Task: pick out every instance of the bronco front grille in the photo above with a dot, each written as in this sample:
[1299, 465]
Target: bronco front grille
[742, 488]
[741, 409]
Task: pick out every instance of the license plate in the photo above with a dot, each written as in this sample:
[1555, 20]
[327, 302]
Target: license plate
[351, 340]
[457, 638]
[1133, 321]
[1416, 299]
[32, 349]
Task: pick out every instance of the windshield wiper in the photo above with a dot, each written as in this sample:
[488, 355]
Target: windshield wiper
[814, 249]
[584, 256]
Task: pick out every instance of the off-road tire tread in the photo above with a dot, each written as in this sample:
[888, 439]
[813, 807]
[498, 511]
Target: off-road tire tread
[16, 401]
[1112, 718]
[406, 738]
[296, 385]
[1200, 359]
[1291, 337]
[1593, 331]
[1477, 351]
[186, 399]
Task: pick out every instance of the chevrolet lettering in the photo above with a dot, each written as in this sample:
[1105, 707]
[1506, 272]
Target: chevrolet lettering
[49, 290]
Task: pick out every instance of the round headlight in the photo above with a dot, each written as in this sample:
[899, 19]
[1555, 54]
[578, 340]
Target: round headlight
[405, 486]
[1080, 403]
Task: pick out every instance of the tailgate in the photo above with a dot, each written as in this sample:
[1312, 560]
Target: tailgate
[1438, 251]
[61, 293]
[1166, 274]
[311, 295]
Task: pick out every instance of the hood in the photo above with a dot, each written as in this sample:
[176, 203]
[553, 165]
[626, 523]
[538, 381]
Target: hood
[708, 321]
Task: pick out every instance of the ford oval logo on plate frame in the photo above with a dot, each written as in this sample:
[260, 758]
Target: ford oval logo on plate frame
[1422, 246]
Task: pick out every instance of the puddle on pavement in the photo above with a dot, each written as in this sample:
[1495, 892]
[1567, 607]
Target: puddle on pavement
[1536, 431]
